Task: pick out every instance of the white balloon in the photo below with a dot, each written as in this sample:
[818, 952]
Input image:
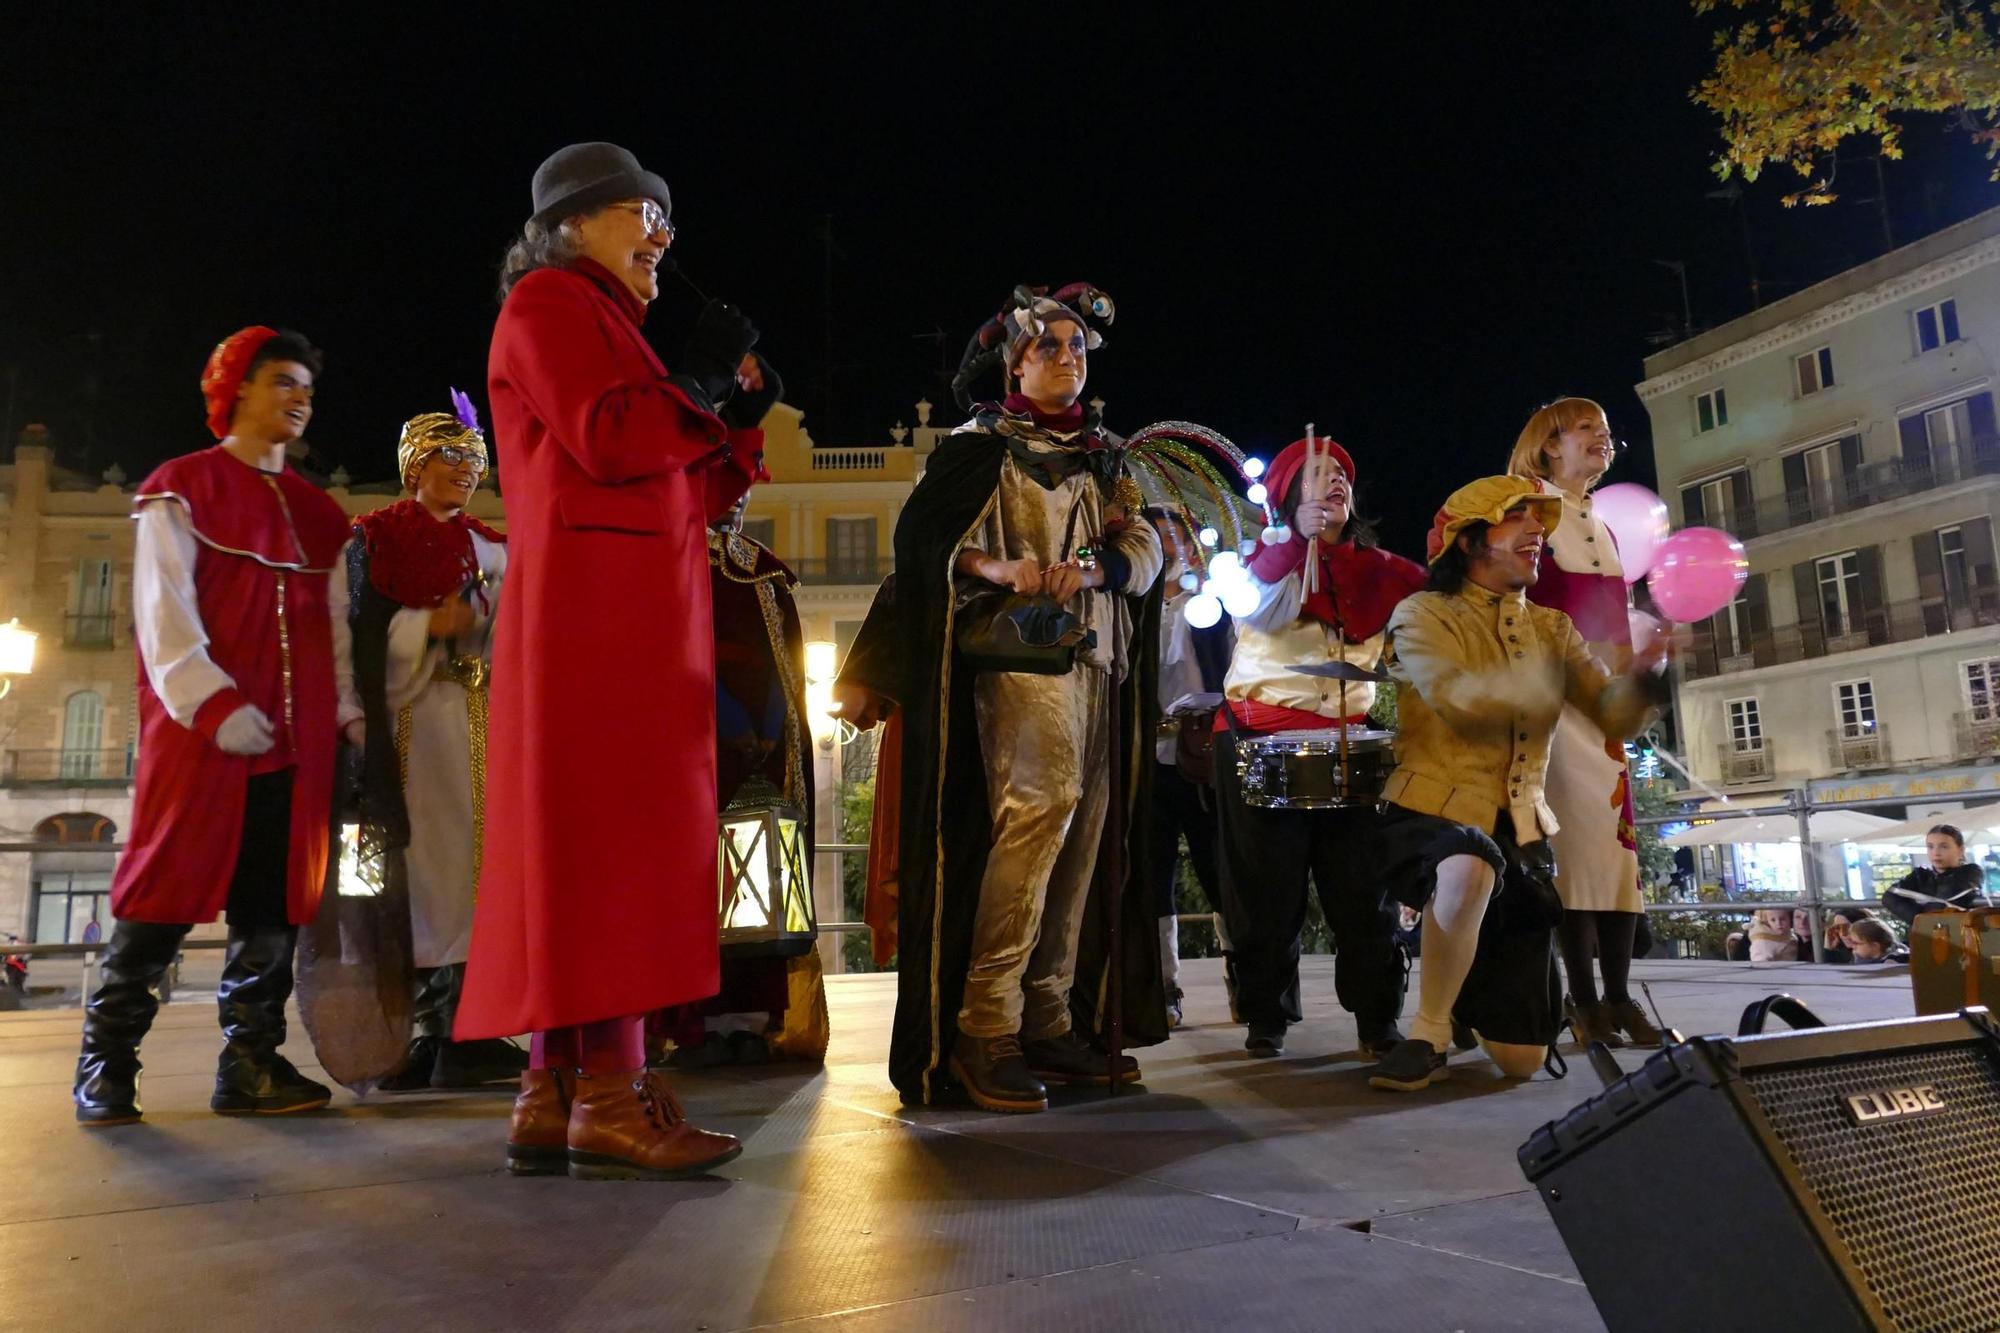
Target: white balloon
[1257, 494]
[1209, 537]
[1241, 599]
[1253, 468]
[1203, 611]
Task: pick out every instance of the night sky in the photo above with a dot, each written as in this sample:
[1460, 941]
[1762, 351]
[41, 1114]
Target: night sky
[1409, 230]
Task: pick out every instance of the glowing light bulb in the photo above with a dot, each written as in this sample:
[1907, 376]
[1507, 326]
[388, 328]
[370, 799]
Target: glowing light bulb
[1190, 581]
[1226, 567]
[1208, 537]
[1258, 495]
[1203, 611]
[1253, 468]
[1275, 535]
[1241, 599]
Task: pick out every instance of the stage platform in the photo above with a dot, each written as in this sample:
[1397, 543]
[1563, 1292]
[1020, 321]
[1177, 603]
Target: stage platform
[1230, 1194]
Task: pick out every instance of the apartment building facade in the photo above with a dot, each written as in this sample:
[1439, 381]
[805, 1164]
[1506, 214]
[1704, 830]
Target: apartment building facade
[1846, 435]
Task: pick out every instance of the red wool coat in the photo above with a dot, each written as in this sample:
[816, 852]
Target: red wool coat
[598, 894]
[267, 543]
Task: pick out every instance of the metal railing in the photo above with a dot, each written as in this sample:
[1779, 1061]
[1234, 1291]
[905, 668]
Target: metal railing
[91, 631]
[1869, 484]
[26, 767]
[1861, 747]
[1739, 765]
[1705, 654]
[1977, 735]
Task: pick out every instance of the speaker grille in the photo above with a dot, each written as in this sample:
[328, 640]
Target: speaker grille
[1916, 1201]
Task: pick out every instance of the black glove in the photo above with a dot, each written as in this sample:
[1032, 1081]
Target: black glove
[746, 408]
[721, 338]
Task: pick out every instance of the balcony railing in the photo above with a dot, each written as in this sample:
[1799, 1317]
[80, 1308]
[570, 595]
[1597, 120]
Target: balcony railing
[1704, 655]
[1746, 765]
[849, 460]
[1869, 484]
[89, 631]
[856, 573]
[1862, 747]
[26, 767]
[1977, 734]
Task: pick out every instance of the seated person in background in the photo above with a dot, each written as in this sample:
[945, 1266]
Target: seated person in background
[1834, 943]
[1870, 941]
[1771, 937]
[1949, 883]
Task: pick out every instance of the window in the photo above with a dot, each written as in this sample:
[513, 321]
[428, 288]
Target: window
[1721, 502]
[850, 547]
[1746, 727]
[1815, 371]
[1936, 325]
[763, 531]
[1821, 480]
[1982, 688]
[1839, 578]
[83, 734]
[69, 903]
[1854, 704]
[90, 611]
[1710, 410]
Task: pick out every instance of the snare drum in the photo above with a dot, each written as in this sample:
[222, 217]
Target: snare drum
[1301, 770]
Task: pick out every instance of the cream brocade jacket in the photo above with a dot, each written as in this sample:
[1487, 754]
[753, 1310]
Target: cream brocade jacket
[1482, 678]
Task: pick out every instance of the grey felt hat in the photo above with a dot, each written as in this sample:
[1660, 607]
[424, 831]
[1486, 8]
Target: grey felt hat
[587, 176]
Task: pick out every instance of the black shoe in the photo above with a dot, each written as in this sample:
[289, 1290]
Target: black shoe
[251, 1078]
[1174, 1016]
[995, 1075]
[1414, 1065]
[1463, 1037]
[713, 1051]
[1266, 1041]
[415, 1075]
[474, 1064]
[1377, 1042]
[119, 1013]
[749, 1048]
[1068, 1058]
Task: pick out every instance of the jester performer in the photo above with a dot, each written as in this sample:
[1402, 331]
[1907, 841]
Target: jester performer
[1483, 675]
[239, 606]
[426, 580]
[1337, 615]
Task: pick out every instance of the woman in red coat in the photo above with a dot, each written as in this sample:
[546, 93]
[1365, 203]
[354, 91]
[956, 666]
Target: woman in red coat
[597, 897]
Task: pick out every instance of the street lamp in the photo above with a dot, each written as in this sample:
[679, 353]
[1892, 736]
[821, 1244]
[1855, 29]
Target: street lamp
[17, 654]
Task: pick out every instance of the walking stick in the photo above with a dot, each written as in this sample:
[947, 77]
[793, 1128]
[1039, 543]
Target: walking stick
[1114, 897]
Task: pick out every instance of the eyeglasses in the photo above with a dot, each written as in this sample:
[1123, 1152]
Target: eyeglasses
[1048, 347]
[652, 217]
[454, 456]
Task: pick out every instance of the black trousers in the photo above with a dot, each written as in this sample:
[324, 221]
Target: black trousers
[257, 888]
[1183, 808]
[1267, 857]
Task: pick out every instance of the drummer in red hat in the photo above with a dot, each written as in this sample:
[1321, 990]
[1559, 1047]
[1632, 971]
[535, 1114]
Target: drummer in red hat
[1325, 589]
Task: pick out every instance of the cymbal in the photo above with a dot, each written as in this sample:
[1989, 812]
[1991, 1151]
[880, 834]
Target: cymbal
[1340, 671]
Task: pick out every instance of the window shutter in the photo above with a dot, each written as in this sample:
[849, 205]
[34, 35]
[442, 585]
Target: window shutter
[1930, 570]
[1850, 469]
[1693, 514]
[1916, 448]
[1979, 415]
[1874, 617]
[1950, 313]
[1795, 485]
[1805, 586]
[1978, 535]
[1757, 620]
[1739, 495]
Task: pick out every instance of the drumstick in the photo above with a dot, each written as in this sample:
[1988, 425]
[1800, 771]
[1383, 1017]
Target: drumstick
[1312, 491]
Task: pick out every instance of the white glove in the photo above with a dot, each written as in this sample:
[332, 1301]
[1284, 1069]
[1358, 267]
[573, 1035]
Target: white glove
[245, 731]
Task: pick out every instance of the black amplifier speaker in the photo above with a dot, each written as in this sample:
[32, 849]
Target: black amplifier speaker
[1823, 1178]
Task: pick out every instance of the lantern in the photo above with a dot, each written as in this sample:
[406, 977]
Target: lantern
[765, 889]
[17, 654]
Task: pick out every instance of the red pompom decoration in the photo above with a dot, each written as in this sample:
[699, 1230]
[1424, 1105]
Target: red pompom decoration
[223, 375]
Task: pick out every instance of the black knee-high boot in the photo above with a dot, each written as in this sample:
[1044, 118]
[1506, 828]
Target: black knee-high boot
[118, 1015]
[471, 1064]
[250, 1076]
[430, 1028]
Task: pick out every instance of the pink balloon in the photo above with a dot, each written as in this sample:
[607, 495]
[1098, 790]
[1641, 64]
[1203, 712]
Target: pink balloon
[1697, 573]
[1638, 519]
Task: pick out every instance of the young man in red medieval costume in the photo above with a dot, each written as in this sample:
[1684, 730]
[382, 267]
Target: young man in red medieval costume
[238, 599]
[597, 892]
[1483, 675]
[1021, 499]
[425, 579]
[1337, 615]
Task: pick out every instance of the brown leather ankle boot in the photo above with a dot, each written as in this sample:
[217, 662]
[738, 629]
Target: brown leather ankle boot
[630, 1126]
[538, 1140]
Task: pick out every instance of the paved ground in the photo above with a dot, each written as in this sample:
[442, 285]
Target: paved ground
[1230, 1194]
